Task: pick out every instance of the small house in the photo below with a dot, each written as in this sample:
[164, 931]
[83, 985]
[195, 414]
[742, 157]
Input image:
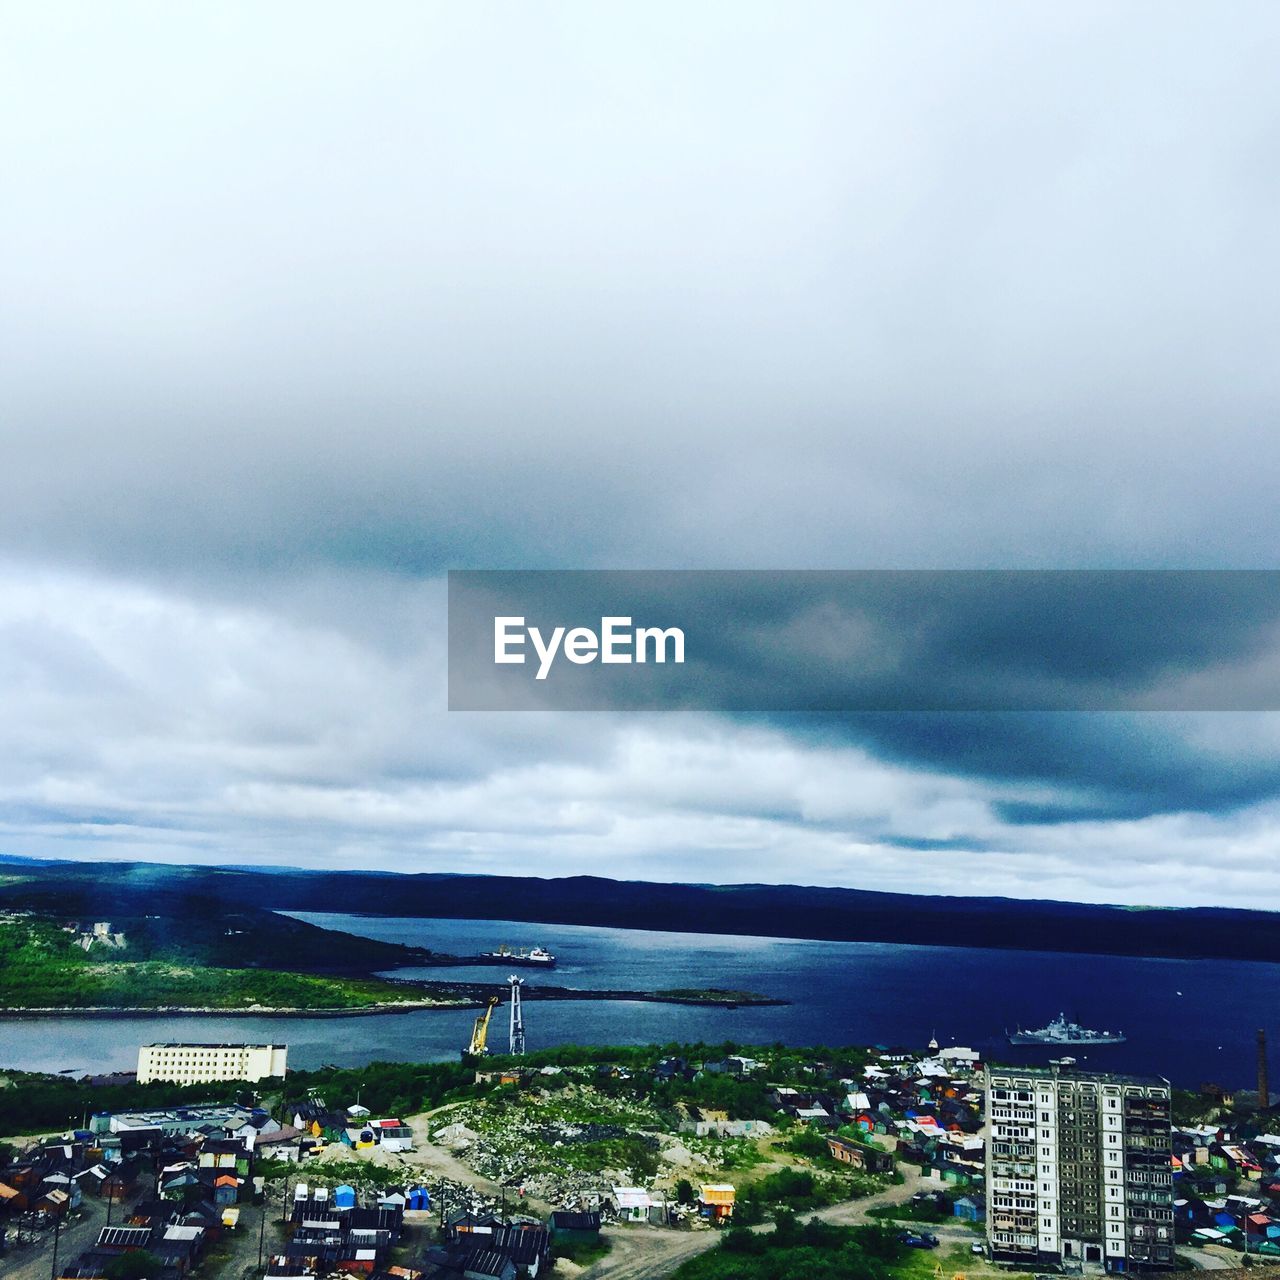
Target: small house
[716, 1200]
[859, 1155]
[632, 1204]
[226, 1190]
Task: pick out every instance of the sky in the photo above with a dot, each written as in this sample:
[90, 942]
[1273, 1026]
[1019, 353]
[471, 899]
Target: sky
[303, 305]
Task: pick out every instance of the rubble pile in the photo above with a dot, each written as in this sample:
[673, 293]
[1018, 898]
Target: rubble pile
[511, 1146]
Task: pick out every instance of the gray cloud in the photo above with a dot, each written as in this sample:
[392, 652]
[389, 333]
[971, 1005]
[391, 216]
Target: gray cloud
[303, 305]
[898, 640]
[571, 286]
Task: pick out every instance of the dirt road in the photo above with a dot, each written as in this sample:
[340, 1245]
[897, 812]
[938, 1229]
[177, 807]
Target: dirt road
[654, 1253]
[34, 1261]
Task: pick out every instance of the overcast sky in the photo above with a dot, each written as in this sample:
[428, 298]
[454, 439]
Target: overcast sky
[303, 304]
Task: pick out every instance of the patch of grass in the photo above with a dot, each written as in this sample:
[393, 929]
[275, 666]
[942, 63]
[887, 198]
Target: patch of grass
[583, 1252]
[363, 1175]
[41, 968]
[816, 1249]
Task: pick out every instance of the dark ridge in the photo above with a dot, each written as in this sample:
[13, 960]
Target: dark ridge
[793, 911]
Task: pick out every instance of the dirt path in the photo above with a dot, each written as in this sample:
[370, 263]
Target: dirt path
[648, 1253]
[1211, 1259]
[850, 1213]
[654, 1253]
[34, 1261]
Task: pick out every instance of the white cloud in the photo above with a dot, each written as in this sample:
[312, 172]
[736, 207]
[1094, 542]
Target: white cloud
[144, 722]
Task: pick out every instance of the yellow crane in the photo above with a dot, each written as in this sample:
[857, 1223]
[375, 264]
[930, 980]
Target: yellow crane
[480, 1031]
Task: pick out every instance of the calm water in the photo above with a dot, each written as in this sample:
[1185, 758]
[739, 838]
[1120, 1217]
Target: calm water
[1193, 1021]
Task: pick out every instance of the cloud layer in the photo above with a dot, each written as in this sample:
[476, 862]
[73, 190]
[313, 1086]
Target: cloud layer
[303, 306]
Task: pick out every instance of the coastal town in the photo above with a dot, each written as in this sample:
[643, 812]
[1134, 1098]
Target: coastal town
[632, 1163]
[639, 641]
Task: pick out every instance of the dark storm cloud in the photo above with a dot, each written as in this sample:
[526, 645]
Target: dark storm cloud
[1095, 767]
[913, 642]
[894, 640]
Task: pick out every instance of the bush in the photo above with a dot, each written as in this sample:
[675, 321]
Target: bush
[809, 1143]
[138, 1265]
[582, 1252]
[796, 1251]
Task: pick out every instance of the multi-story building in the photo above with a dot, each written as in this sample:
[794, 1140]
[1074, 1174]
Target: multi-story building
[1079, 1168]
[204, 1063]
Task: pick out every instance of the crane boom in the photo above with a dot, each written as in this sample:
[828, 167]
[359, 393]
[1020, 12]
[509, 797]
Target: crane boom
[480, 1030]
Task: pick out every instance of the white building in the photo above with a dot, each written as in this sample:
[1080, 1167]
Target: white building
[1079, 1169]
[205, 1063]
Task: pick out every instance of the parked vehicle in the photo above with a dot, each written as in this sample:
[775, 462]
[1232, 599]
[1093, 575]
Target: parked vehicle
[919, 1240]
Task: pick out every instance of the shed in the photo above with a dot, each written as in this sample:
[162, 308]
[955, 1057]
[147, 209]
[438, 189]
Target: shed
[488, 1264]
[632, 1203]
[566, 1225]
[717, 1199]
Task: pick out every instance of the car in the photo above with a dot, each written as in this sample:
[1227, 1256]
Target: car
[919, 1240]
[977, 1248]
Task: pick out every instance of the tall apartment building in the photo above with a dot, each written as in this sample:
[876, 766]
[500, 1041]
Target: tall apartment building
[1079, 1168]
[204, 1063]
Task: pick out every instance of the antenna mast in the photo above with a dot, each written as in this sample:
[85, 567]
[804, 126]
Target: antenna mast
[517, 1016]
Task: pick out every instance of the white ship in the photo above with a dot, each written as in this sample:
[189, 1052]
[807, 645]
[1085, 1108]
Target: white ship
[535, 956]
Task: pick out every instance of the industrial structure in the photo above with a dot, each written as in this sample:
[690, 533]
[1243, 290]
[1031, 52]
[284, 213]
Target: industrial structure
[480, 1030]
[517, 1016]
[1078, 1169]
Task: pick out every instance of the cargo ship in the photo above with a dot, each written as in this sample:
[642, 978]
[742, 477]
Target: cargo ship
[535, 957]
[1060, 1032]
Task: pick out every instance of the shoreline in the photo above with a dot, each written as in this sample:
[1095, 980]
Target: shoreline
[195, 1011]
[371, 1011]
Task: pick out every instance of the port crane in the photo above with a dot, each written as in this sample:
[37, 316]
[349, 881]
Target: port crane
[480, 1031]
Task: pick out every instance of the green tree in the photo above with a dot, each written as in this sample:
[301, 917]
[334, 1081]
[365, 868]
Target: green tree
[137, 1265]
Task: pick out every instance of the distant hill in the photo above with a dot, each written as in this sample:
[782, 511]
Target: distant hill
[136, 889]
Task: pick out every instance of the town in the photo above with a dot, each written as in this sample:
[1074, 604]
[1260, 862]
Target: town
[630, 1162]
